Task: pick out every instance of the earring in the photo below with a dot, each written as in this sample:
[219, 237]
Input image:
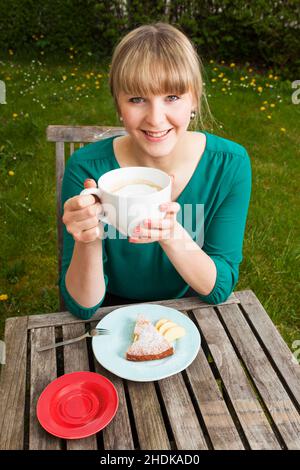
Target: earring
[193, 115]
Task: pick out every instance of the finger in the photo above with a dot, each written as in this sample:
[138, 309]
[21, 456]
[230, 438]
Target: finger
[157, 224]
[80, 202]
[71, 217]
[84, 225]
[89, 183]
[151, 236]
[88, 235]
[153, 233]
[173, 207]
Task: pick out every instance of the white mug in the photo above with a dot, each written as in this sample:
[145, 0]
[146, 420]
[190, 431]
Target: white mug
[125, 212]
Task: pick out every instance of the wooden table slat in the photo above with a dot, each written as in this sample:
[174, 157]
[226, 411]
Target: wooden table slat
[274, 395]
[181, 413]
[218, 421]
[13, 384]
[75, 360]
[149, 422]
[247, 407]
[272, 340]
[43, 371]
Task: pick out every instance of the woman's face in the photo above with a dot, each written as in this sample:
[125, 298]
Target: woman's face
[156, 123]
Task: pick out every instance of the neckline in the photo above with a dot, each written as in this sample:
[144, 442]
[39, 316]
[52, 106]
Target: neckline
[204, 153]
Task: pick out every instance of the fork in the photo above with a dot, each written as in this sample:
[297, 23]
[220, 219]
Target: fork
[88, 334]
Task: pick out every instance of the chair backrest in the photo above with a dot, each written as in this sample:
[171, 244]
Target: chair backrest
[67, 139]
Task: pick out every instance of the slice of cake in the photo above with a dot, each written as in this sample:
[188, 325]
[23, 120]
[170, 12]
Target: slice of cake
[148, 343]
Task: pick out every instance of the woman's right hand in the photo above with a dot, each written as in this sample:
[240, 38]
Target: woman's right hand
[81, 216]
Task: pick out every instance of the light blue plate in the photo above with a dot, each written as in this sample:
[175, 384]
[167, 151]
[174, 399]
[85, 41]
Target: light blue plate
[110, 350]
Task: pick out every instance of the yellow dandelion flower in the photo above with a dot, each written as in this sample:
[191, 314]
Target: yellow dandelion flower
[262, 108]
[265, 102]
[213, 80]
[221, 75]
[99, 75]
[223, 89]
[250, 70]
[73, 74]
[15, 115]
[88, 76]
[83, 85]
[71, 48]
[272, 105]
[232, 65]
[270, 76]
[3, 297]
[211, 61]
[269, 116]
[11, 52]
[267, 84]
[78, 88]
[283, 129]
[64, 77]
[222, 62]
[92, 74]
[97, 82]
[242, 78]
[215, 69]
[71, 57]
[276, 78]
[260, 89]
[97, 87]
[225, 79]
[11, 173]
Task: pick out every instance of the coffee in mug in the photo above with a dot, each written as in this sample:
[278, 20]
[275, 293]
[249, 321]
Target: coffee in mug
[137, 187]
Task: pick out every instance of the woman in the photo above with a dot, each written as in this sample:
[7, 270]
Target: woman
[156, 83]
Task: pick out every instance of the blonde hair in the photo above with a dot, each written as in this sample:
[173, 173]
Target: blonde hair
[157, 59]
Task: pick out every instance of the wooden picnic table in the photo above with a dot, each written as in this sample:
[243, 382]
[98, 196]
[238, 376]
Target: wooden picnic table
[241, 392]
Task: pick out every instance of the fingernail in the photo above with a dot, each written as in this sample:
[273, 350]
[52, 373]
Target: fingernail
[163, 206]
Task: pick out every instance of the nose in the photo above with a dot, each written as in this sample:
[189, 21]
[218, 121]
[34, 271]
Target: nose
[156, 115]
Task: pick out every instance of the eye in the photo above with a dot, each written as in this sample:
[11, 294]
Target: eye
[135, 99]
[173, 97]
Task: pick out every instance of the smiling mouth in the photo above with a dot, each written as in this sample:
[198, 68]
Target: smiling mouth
[156, 134]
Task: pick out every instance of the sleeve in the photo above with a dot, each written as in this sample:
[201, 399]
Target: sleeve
[225, 234]
[72, 185]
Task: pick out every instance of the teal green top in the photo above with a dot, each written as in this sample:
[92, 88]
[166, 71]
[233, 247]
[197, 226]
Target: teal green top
[221, 182]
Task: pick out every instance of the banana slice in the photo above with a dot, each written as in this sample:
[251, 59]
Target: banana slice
[165, 326]
[174, 333]
[160, 323]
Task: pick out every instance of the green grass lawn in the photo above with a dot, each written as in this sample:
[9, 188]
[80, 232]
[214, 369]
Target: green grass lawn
[43, 93]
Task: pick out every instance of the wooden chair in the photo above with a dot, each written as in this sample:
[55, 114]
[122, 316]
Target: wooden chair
[67, 139]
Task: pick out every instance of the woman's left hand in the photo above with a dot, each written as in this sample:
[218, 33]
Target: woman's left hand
[157, 230]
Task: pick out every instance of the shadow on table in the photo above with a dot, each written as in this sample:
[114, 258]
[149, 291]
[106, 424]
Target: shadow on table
[111, 299]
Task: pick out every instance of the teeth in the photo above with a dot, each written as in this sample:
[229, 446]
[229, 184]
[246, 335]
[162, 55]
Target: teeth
[156, 134]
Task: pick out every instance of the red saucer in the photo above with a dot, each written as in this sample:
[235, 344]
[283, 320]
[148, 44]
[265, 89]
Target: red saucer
[77, 405]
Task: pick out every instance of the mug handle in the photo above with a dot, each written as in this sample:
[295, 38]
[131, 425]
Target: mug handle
[96, 192]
